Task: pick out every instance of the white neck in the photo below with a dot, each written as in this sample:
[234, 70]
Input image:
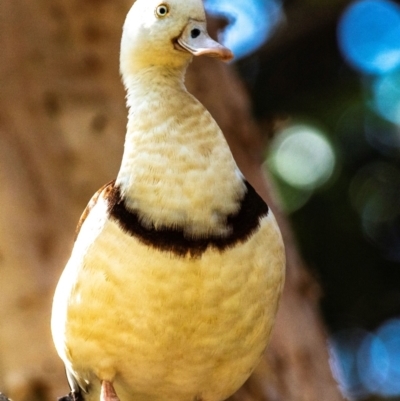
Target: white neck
[177, 169]
[141, 81]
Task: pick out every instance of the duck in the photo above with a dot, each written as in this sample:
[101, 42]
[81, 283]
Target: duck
[175, 275]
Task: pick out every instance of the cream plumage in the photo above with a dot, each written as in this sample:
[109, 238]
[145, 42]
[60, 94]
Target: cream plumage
[174, 279]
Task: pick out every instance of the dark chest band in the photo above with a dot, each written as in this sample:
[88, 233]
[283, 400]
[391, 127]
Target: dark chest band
[242, 225]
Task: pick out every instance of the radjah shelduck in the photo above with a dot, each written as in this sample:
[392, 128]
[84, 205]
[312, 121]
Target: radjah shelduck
[173, 283]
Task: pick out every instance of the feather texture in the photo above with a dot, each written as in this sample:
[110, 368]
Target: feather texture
[174, 280]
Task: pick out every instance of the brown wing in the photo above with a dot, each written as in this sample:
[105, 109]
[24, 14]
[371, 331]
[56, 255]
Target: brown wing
[103, 191]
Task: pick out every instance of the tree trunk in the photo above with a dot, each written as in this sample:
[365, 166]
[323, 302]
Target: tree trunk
[62, 126]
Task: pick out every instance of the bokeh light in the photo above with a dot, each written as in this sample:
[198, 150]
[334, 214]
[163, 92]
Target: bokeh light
[369, 36]
[372, 363]
[250, 26]
[375, 194]
[386, 95]
[302, 156]
[389, 335]
[382, 135]
[343, 347]
[367, 363]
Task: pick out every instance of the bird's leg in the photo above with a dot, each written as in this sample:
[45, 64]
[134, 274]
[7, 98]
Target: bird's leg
[107, 392]
[72, 396]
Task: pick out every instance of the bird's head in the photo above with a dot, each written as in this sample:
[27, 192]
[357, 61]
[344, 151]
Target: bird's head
[166, 33]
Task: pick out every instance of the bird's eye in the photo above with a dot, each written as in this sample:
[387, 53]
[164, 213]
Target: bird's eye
[162, 10]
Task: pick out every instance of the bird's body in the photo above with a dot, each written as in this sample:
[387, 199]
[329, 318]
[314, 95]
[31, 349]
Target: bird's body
[173, 283]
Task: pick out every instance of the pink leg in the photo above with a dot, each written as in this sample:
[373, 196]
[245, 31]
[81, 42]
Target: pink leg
[108, 392]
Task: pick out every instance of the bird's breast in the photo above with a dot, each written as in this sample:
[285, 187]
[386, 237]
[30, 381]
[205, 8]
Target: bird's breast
[169, 325]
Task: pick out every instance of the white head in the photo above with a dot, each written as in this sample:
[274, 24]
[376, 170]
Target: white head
[166, 33]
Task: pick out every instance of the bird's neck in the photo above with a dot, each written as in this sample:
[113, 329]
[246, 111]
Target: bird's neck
[143, 81]
[177, 169]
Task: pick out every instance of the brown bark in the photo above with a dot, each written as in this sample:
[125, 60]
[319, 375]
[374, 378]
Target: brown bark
[62, 125]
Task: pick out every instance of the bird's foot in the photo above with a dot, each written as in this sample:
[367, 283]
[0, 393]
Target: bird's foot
[72, 396]
[107, 392]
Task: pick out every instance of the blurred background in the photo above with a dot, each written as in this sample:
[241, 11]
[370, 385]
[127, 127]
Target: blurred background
[326, 75]
[324, 81]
